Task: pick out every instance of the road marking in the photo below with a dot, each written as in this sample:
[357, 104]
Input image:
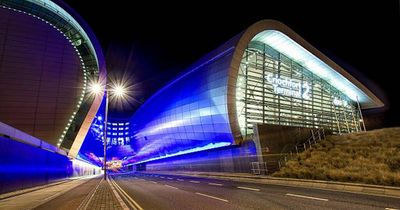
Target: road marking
[181, 180]
[249, 188]
[162, 177]
[215, 184]
[309, 197]
[171, 186]
[194, 181]
[391, 209]
[153, 182]
[121, 202]
[210, 196]
[131, 202]
[169, 178]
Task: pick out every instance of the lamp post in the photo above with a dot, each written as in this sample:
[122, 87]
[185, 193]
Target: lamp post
[117, 91]
[105, 136]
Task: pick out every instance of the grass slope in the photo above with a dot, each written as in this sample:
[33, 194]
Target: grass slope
[371, 157]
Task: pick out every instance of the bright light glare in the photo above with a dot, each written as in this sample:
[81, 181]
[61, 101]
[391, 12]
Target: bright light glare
[119, 91]
[95, 88]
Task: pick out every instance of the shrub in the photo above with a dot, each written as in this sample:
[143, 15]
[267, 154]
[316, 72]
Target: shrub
[371, 157]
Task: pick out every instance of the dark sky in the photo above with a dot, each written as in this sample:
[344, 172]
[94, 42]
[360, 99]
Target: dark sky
[150, 43]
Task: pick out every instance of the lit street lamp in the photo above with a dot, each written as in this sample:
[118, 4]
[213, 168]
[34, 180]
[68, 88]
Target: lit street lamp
[117, 91]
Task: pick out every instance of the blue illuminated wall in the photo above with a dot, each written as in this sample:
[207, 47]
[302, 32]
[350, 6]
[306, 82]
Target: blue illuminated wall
[235, 158]
[188, 115]
[23, 165]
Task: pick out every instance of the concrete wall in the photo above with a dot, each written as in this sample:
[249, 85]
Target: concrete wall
[276, 139]
[272, 141]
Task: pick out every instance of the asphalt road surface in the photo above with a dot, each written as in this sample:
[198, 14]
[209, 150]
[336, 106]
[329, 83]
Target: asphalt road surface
[153, 191]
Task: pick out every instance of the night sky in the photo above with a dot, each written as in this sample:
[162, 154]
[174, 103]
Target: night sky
[151, 43]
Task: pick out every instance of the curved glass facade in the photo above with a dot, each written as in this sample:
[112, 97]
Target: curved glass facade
[267, 75]
[274, 89]
[190, 114]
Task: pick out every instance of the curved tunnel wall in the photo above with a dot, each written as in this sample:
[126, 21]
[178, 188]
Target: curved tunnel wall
[50, 39]
[40, 76]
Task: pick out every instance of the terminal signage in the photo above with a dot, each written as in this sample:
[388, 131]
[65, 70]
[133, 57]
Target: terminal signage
[289, 87]
[339, 102]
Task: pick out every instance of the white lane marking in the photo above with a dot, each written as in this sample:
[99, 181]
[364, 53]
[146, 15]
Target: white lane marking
[309, 197]
[391, 209]
[249, 188]
[131, 202]
[171, 186]
[121, 202]
[162, 177]
[153, 182]
[181, 180]
[215, 184]
[194, 182]
[210, 196]
[169, 178]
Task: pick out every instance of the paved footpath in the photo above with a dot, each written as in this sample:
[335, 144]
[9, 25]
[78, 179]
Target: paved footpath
[85, 193]
[102, 198]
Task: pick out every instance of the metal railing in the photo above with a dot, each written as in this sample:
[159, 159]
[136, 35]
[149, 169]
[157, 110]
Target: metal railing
[316, 136]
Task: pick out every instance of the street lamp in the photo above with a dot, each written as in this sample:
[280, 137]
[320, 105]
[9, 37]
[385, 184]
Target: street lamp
[117, 91]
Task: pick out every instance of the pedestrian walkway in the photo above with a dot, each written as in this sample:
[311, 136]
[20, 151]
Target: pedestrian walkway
[35, 198]
[102, 198]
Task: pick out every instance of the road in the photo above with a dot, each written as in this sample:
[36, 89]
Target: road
[153, 191]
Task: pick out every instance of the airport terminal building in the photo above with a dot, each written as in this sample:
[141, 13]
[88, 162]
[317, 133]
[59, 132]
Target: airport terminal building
[266, 75]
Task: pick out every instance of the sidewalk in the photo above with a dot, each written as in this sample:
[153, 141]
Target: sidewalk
[379, 190]
[102, 197]
[37, 197]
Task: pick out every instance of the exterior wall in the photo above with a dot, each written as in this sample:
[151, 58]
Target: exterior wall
[189, 114]
[225, 159]
[26, 166]
[41, 76]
